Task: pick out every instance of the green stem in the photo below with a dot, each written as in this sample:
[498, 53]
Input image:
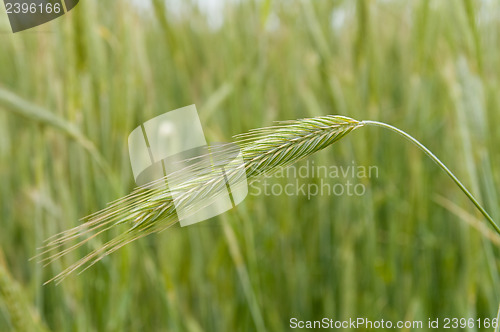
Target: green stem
[440, 163]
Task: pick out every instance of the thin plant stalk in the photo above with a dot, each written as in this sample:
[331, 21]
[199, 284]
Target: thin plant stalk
[439, 163]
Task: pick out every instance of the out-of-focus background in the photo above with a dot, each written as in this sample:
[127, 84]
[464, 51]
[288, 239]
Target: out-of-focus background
[412, 247]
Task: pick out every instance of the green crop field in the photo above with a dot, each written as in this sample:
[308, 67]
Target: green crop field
[404, 244]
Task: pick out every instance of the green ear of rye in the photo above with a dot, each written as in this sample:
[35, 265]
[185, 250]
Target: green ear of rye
[150, 209]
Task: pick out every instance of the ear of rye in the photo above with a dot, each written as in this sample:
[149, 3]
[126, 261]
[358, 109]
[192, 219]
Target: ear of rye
[150, 209]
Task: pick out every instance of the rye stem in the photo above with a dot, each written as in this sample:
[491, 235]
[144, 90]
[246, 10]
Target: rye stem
[439, 163]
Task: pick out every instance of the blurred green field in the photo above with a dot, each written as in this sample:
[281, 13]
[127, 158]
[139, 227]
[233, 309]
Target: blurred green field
[411, 248]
